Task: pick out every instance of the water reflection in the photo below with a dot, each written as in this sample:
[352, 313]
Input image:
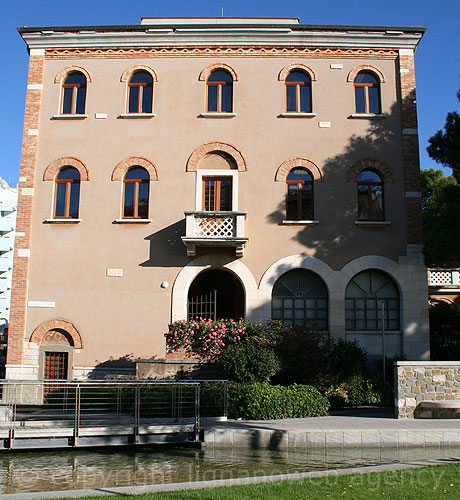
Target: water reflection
[61, 470]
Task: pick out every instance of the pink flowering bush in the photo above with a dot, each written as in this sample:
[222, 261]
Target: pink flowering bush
[205, 337]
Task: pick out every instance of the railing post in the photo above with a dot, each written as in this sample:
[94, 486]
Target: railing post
[225, 398]
[136, 413]
[197, 411]
[76, 429]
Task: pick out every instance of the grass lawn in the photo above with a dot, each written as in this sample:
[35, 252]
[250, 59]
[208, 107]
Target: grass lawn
[440, 482]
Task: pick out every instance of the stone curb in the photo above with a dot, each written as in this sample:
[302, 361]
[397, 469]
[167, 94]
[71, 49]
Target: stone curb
[196, 485]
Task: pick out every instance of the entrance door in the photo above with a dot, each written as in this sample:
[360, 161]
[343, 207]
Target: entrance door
[56, 364]
[220, 288]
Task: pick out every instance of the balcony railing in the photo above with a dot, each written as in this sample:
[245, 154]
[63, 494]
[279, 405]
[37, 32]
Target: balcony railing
[224, 229]
[444, 278]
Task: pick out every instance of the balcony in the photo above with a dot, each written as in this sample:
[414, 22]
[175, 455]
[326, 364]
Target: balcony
[214, 229]
[444, 279]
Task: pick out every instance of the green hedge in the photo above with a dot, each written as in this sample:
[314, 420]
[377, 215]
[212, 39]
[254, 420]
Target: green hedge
[270, 402]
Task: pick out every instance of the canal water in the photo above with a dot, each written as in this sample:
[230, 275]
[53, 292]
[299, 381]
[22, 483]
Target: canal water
[22, 472]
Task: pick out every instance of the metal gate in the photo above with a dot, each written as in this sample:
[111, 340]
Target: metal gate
[203, 306]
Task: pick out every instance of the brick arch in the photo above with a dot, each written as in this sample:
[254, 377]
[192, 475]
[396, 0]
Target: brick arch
[303, 67]
[368, 164]
[212, 147]
[120, 170]
[205, 73]
[128, 73]
[64, 72]
[53, 168]
[365, 67]
[57, 324]
[287, 166]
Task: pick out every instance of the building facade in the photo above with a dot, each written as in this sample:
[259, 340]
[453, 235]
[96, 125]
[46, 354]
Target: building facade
[8, 204]
[255, 168]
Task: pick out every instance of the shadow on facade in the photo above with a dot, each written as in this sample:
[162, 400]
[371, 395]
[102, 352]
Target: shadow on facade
[166, 247]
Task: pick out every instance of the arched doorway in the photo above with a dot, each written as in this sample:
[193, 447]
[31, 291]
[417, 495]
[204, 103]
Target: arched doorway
[215, 294]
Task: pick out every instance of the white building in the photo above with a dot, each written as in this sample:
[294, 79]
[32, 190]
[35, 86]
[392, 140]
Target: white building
[8, 205]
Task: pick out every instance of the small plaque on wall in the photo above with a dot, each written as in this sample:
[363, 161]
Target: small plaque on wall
[116, 273]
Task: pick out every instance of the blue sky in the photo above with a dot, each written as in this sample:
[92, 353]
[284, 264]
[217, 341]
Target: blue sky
[437, 59]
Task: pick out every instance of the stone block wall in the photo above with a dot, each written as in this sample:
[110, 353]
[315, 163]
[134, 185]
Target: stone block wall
[422, 381]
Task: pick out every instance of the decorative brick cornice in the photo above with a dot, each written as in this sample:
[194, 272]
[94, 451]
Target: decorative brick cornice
[375, 165]
[127, 74]
[299, 66]
[134, 161]
[64, 72]
[57, 324]
[212, 147]
[53, 168]
[206, 72]
[287, 166]
[365, 67]
[316, 52]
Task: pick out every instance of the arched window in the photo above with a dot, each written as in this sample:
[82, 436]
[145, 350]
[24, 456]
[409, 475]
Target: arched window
[298, 92]
[74, 94]
[299, 297]
[299, 195]
[364, 297]
[219, 92]
[367, 93]
[140, 93]
[67, 197]
[370, 196]
[136, 194]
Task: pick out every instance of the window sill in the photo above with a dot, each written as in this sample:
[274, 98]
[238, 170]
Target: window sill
[217, 115]
[137, 115]
[367, 116]
[69, 117]
[132, 221]
[300, 222]
[61, 221]
[297, 115]
[373, 223]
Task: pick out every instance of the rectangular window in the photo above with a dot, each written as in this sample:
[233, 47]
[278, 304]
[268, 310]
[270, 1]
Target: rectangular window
[128, 210]
[360, 99]
[212, 97]
[217, 194]
[133, 99]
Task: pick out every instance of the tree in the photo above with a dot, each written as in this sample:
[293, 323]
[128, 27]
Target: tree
[441, 211]
[444, 146]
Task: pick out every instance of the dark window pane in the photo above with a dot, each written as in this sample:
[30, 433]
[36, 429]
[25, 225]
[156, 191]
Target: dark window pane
[307, 202]
[209, 195]
[81, 100]
[366, 78]
[128, 209]
[298, 76]
[291, 203]
[227, 98]
[75, 79]
[299, 174]
[67, 101]
[291, 98]
[369, 176]
[60, 200]
[226, 195]
[74, 199]
[360, 100]
[133, 99]
[69, 173]
[220, 76]
[137, 173]
[363, 203]
[212, 97]
[143, 202]
[147, 99]
[374, 101]
[305, 101]
[376, 203]
[141, 77]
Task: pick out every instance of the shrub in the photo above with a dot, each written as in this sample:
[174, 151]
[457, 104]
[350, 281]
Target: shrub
[354, 391]
[249, 362]
[269, 402]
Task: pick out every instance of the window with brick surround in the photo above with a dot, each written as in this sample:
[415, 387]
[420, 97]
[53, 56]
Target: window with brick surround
[140, 93]
[299, 195]
[365, 295]
[219, 88]
[367, 93]
[67, 194]
[74, 94]
[370, 196]
[136, 193]
[298, 92]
